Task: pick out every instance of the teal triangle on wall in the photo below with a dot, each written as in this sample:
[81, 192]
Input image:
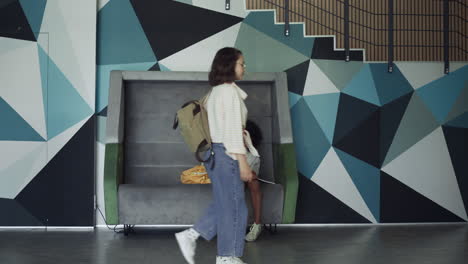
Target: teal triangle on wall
[366, 178]
[389, 86]
[325, 108]
[312, 145]
[362, 86]
[163, 68]
[14, 127]
[121, 38]
[293, 99]
[461, 121]
[34, 11]
[65, 106]
[44, 65]
[441, 94]
[460, 106]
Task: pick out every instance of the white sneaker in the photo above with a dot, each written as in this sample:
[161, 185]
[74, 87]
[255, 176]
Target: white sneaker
[187, 241]
[254, 232]
[229, 260]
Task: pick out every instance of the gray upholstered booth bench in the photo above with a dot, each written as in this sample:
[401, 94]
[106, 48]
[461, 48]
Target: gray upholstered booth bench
[145, 156]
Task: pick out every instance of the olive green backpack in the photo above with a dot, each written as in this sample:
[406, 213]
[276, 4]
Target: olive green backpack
[192, 119]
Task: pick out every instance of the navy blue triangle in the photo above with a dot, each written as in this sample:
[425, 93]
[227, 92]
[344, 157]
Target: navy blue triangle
[362, 142]
[401, 204]
[103, 112]
[171, 26]
[155, 67]
[457, 144]
[351, 112]
[34, 11]
[62, 193]
[297, 77]
[13, 214]
[315, 205]
[390, 118]
[13, 22]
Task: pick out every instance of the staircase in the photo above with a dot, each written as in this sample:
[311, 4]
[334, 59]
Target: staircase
[387, 30]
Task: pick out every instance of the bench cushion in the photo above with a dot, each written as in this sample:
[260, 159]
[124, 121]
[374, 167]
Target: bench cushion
[184, 204]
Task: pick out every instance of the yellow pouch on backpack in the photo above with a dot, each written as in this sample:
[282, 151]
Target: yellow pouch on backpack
[195, 175]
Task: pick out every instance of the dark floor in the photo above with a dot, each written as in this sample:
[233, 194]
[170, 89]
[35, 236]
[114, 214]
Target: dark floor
[447, 244]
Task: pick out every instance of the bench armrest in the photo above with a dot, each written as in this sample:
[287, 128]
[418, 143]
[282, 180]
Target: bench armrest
[286, 174]
[113, 176]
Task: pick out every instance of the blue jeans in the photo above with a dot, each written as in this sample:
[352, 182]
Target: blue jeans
[226, 215]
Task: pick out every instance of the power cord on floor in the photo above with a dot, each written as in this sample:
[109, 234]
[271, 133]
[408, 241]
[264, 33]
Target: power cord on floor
[115, 229]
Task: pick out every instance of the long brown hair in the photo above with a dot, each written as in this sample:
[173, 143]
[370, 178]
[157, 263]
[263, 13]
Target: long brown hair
[223, 66]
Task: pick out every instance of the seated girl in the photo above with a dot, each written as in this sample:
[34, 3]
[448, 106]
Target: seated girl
[253, 159]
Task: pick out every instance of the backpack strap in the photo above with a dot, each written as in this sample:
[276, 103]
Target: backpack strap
[176, 122]
[204, 116]
[202, 145]
[200, 150]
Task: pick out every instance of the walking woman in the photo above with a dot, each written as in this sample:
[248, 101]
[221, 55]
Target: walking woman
[226, 215]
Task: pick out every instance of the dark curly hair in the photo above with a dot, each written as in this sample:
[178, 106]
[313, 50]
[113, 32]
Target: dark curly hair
[255, 133]
[223, 66]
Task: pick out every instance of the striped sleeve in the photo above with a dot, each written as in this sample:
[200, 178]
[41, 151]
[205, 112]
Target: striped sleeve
[232, 122]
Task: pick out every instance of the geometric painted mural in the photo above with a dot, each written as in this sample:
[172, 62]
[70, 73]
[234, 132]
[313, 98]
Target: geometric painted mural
[361, 134]
[371, 147]
[381, 147]
[136, 35]
[47, 99]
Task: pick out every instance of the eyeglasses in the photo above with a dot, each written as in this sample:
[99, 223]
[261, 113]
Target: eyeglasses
[242, 64]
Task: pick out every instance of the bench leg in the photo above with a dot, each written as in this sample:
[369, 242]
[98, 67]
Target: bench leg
[272, 228]
[128, 229]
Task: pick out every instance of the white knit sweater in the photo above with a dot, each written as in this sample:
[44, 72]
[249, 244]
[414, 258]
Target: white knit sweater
[227, 116]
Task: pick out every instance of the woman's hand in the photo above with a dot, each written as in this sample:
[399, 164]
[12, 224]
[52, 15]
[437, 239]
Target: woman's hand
[246, 173]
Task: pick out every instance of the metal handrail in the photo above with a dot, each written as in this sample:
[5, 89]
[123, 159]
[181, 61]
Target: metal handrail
[371, 28]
